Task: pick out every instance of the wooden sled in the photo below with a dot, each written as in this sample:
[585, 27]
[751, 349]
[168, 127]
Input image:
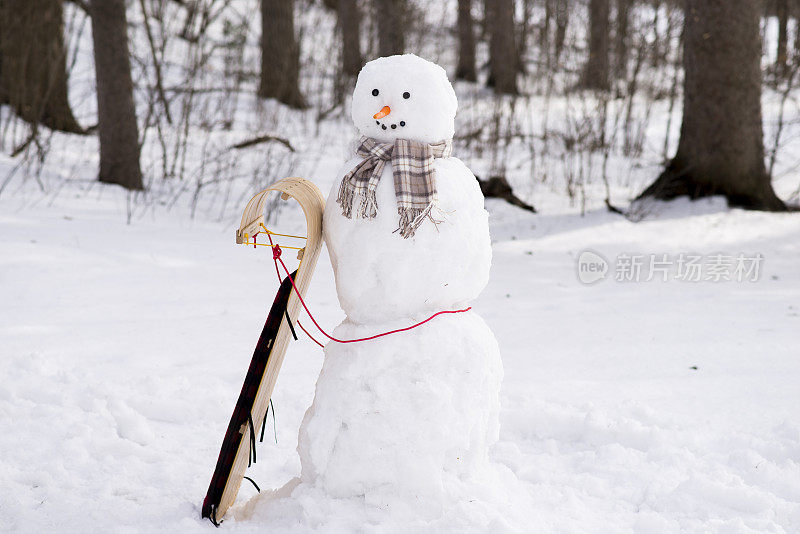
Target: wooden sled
[238, 447]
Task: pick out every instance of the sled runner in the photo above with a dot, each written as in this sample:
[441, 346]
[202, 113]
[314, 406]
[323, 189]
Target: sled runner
[238, 447]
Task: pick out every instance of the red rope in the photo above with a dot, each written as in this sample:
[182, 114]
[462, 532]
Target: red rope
[276, 256]
[303, 328]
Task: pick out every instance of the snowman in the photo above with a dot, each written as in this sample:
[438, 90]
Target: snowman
[405, 420]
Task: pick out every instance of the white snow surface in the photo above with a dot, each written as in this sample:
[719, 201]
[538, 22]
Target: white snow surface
[124, 347]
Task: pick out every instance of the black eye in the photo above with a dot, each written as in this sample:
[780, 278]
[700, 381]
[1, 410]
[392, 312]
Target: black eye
[375, 92]
[406, 95]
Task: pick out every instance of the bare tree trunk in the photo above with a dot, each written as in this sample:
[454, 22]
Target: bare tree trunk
[116, 113]
[392, 20]
[503, 56]
[721, 147]
[33, 78]
[794, 47]
[657, 56]
[621, 44]
[466, 42]
[350, 26]
[781, 61]
[562, 19]
[188, 22]
[544, 36]
[521, 36]
[595, 72]
[280, 54]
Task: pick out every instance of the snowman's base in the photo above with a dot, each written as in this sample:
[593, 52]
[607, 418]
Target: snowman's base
[496, 503]
[399, 417]
[398, 436]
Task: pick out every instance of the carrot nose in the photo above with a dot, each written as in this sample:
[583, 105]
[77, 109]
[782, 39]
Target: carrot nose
[385, 110]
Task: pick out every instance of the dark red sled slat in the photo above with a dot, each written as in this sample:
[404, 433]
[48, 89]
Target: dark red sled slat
[244, 405]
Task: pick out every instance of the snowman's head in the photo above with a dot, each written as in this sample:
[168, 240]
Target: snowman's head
[404, 97]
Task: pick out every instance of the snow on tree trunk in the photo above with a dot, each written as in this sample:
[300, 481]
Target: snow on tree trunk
[721, 149]
[116, 112]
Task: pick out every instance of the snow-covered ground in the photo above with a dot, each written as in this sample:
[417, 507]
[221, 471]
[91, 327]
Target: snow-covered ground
[626, 406]
[127, 324]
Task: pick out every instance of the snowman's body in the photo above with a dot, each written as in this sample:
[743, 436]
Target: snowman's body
[406, 418]
[380, 276]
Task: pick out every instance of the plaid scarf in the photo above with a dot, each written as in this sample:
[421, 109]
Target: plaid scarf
[414, 180]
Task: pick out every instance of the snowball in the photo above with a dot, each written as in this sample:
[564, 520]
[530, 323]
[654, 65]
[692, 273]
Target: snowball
[380, 276]
[421, 100]
[404, 418]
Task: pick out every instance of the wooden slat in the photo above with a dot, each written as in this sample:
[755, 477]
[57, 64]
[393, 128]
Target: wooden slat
[311, 200]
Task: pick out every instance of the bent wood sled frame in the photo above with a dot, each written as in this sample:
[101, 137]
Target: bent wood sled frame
[238, 446]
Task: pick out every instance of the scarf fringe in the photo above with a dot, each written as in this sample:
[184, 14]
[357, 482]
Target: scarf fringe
[412, 218]
[369, 205]
[345, 198]
[367, 209]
